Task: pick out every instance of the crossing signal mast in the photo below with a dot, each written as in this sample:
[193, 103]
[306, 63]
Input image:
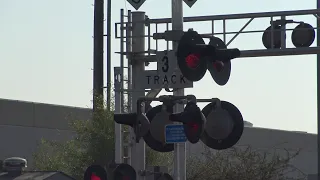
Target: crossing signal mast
[164, 128]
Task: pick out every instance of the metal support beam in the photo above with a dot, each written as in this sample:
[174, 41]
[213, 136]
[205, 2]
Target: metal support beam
[240, 31]
[280, 52]
[179, 148]
[128, 49]
[118, 127]
[122, 38]
[239, 16]
[318, 87]
[138, 45]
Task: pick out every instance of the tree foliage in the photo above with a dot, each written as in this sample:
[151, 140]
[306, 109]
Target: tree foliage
[244, 163]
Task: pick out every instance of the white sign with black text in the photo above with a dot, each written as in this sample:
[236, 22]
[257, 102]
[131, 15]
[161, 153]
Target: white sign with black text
[167, 73]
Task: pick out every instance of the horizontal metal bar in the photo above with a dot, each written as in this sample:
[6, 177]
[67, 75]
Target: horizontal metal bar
[208, 35]
[280, 52]
[150, 58]
[153, 93]
[129, 90]
[239, 16]
[151, 51]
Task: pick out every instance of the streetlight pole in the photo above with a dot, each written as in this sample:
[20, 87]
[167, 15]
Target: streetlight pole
[108, 54]
[98, 52]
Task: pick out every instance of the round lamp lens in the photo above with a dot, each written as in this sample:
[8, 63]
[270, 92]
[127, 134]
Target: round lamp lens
[95, 177]
[194, 127]
[192, 61]
[218, 65]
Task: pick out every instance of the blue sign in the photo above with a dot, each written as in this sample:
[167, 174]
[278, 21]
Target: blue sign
[175, 134]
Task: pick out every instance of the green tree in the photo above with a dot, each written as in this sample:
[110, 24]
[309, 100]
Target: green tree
[244, 163]
[93, 143]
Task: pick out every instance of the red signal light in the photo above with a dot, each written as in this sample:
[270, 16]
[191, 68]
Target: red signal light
[95, 177]
[95, 172]
[194, 127]
[193, 61]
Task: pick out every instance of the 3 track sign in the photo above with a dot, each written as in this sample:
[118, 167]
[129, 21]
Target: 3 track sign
[167, 74]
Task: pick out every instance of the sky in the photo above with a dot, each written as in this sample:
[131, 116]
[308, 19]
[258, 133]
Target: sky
[46, 55]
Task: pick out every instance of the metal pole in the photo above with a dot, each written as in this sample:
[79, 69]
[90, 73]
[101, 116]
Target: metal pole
[118, 127]
[98, 51]
[318, 88]
[179, 148]
[283, 34]
[138, 45]
[128, 49]
[108, 53]
[122, 57]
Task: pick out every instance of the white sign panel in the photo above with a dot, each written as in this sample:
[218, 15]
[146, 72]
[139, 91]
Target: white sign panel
[166, 75]
[190, 3]
[136, 3]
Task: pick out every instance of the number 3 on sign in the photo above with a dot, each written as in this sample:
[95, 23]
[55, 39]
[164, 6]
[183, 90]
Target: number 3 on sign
[165, 66]
[166, 62]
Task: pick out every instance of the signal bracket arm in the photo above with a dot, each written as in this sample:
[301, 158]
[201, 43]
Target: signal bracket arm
[169, 100]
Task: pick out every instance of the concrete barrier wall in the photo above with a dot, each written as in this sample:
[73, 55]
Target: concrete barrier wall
[29, 114]
[23, 124]
[19, 141]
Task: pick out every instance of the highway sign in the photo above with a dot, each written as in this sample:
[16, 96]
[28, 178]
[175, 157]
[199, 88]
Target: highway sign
[175, 134]
[136, 3]
[190, 3]
[167, 74]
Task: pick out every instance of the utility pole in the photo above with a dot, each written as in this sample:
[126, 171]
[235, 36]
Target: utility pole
[98, 52]
[108, 54]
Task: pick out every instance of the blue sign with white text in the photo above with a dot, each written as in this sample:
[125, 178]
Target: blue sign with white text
[175, 134]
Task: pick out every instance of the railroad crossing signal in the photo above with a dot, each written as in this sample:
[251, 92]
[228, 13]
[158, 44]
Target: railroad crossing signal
[303, 35]
[157, 125]
[193, 121]
[95, 172]
[219, 124]
[138, 121]
[224, 125]
[124, 172]
[195, 57]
